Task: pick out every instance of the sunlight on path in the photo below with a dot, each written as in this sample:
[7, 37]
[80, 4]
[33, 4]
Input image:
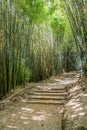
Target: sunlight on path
[23, 115]
[31, 117]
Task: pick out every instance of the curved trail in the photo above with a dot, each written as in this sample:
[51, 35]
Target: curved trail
[38, 108]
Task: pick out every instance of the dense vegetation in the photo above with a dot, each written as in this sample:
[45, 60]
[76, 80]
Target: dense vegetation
[77, 15]
[40, 38]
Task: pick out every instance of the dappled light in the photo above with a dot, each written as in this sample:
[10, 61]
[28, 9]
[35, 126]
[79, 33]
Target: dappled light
[12, 127]
[43, 65]
[42, 115]
[74, 89]
[27, 116]
[24, 100]
[39, 118]
[27, 109]
[31, 109]
[43, 87]
[24, 118]
[66, 81]
[84, 95]
[77, 107]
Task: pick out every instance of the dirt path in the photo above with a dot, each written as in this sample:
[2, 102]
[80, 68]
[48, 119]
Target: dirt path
[40, 108]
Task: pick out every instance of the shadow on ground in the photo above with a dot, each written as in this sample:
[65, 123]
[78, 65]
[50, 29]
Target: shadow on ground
[75, 114]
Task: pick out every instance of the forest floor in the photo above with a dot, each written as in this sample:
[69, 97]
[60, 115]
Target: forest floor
[59, 103]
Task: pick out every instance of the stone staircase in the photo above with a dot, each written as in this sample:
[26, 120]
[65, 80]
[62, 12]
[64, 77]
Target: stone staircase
[48, 95]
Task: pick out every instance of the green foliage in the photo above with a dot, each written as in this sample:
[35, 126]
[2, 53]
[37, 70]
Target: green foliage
[52, 8]
[24, 75]
[35, 36]
[34, 9]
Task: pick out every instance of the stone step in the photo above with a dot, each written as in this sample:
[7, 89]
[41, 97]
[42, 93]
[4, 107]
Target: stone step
[47, 102]
[58, 89]
[50, 91]
[51, 88]
[47, 97]
[48, 94]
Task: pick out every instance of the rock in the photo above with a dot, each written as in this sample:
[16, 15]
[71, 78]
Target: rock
[41, 124]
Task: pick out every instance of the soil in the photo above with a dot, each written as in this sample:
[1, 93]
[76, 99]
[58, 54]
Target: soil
[24, 110]
[75, 111]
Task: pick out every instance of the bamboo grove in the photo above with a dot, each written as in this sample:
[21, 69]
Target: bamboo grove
[36, 42]
[77, 15]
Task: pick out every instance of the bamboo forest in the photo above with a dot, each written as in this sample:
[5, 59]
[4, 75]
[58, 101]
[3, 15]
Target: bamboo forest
[43, 43]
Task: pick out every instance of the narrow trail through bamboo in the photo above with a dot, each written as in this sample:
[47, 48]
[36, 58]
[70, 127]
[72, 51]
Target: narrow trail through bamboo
[39, 108]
